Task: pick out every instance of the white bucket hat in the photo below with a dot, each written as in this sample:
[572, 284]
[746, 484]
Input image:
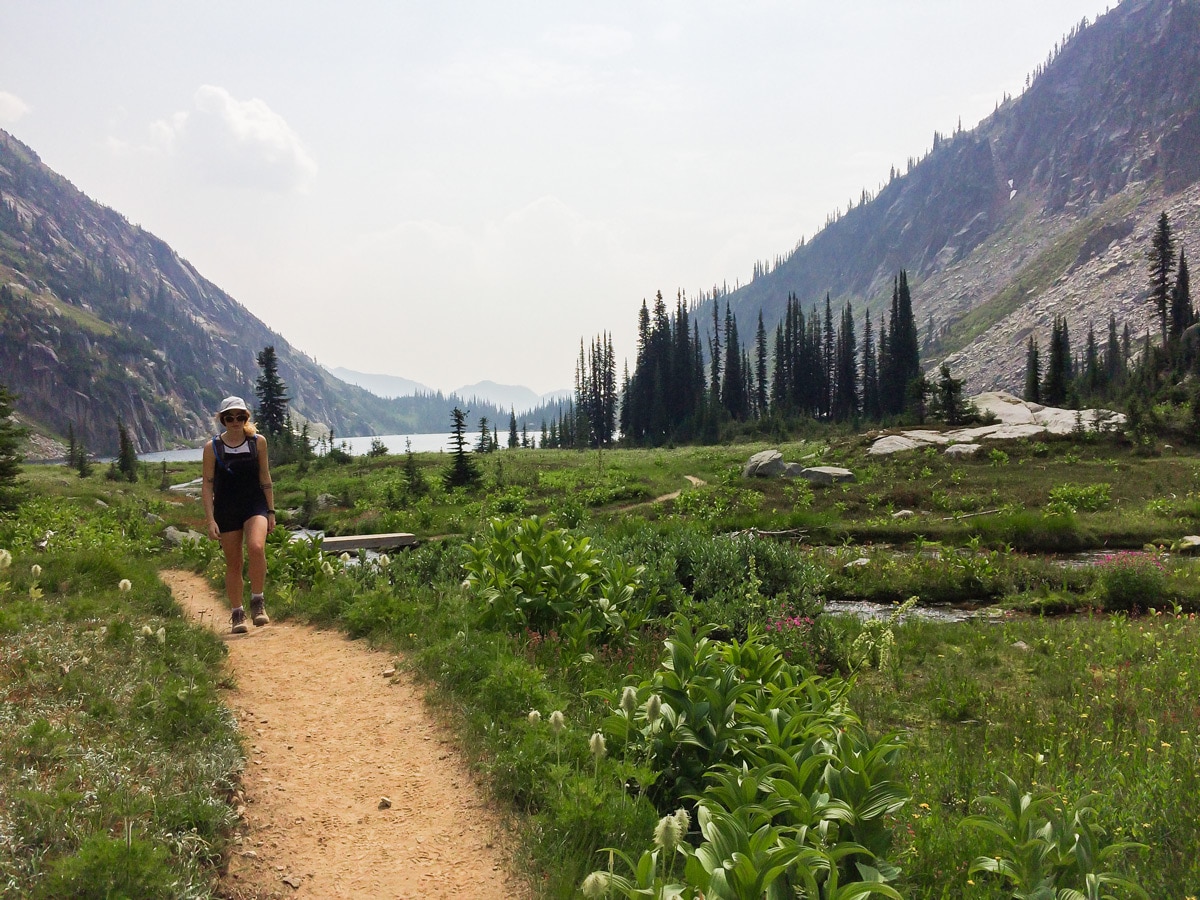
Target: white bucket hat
[233, 403]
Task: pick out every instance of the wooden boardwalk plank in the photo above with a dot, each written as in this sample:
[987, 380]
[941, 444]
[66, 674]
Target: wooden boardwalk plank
[368, 542]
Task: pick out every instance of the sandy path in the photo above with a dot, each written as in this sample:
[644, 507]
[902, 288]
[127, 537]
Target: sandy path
[696, 482]
[330, 736]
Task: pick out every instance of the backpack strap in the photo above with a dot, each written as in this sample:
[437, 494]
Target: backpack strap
[219, 451]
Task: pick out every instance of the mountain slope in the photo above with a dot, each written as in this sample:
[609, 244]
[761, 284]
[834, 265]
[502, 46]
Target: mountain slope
[100, 319]
[997, 226]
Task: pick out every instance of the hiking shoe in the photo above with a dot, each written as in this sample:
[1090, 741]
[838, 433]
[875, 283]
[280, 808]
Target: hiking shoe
[238, 618]
[258, 612]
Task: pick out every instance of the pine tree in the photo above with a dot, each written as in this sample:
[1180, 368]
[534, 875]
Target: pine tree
[760, 362]
[514, 439]
[126, 461]
[12, 491]
[1058, 368]
[414, 482]
[463, 471]
[1182, 314]
[1114, 362]
[949, 398]
[72, 460]
[870, 373]
[1162, 262]
[1033, 372]
[272, 395]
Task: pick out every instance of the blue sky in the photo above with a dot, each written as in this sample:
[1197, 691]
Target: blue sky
[461, 191]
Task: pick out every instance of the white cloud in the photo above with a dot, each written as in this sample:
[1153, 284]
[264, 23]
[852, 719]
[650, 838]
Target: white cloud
[12, 107]
[594, 41]
[240, 143]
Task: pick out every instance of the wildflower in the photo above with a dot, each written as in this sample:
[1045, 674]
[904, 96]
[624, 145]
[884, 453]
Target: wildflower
[147, 631]
[327, 568]
[384, 560]
[653, 708]
[125, 585]
[557, 722]
[596, 885]
[345, 557]
[629, 700]
[596, 745]
[5, 559]
[683, 822]
[161, 635]
[36, 570]
[666, 833]
[534, 717]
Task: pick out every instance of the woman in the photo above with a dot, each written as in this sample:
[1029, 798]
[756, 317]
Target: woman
[239, 503]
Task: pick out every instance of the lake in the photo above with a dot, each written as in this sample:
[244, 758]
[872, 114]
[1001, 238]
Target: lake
[356, 446]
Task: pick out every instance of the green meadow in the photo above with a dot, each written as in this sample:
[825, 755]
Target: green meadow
[638, 648]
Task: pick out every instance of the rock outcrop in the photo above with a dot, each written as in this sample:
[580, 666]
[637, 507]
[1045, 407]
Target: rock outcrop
[1016, 418]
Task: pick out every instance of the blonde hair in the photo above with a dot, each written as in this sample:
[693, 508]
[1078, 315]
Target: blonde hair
[248, 428]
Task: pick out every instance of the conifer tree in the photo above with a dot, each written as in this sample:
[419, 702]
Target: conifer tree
[514, 439]
[1058, 368]
[126, 461]
[272, 395]
[414, 482]
[12, 491]
[760, 362]
[1033, 372]
[1182, 314]
[1162, 262]
[949, 398]
[462, 471]
[72, 460]
[870, 373]
[1114, 362]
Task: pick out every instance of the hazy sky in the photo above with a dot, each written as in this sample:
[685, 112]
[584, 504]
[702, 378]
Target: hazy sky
[459, 191]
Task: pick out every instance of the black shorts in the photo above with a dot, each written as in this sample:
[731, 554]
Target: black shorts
[232, 515]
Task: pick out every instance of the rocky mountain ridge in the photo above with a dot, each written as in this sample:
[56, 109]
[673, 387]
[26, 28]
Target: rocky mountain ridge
[100, 319]
[1044, 208]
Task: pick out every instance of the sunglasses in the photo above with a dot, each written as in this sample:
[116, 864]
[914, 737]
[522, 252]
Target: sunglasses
[240, 417]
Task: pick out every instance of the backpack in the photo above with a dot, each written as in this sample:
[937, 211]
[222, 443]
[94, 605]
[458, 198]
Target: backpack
[219, 452]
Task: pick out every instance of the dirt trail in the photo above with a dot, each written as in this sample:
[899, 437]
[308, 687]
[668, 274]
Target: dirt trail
[696, 482]
[330, 737]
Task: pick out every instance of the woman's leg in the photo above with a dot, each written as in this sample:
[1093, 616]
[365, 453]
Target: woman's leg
[256, 552]
[231, 544]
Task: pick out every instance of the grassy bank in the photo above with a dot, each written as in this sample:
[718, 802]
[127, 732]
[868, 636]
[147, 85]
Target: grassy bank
[612, 599]
[118, 757]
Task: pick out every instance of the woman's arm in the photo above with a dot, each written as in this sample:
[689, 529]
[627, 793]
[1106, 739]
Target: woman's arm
[208, 468]
[264, 480]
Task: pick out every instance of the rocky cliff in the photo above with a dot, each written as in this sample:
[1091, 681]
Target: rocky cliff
[100, 319]
[1044, 209]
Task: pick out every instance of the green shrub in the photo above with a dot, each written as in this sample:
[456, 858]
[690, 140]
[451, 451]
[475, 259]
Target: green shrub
[105, 867]
[1128, 581]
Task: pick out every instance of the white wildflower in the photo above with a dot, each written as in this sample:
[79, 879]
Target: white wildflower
[161, 635]
[666, 833]
[5, 559]
[596, 885]
[345, 557]
[683, 821]
[125, 585]
[147, 631]
[596, 745]
[36, 570]
[557, 722]
[629, 700]
[534, 717]
[653, 708]
[327, 568]
[384, 560]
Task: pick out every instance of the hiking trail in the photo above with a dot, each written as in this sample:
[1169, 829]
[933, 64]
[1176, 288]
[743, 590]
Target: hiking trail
[351, 789]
